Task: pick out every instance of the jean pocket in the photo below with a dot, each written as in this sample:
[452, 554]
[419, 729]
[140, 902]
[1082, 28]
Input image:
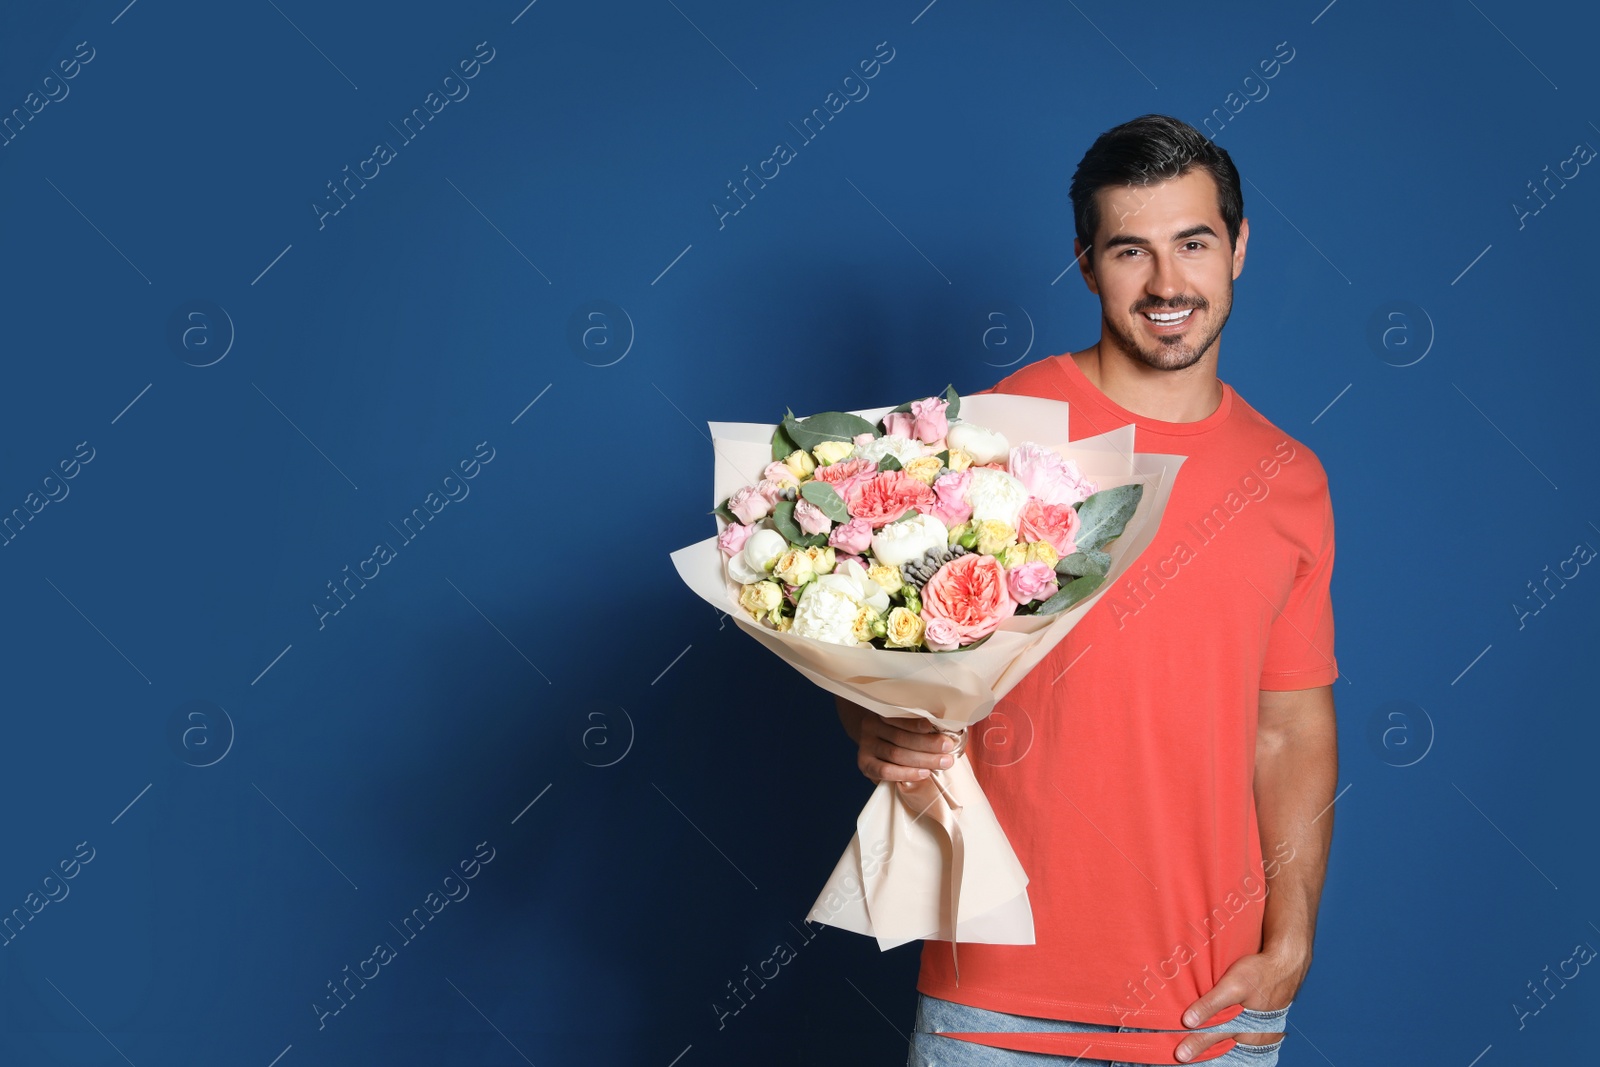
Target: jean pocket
[1263, 1022]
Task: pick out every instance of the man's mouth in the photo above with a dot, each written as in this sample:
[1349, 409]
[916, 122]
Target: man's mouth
[1168, 318]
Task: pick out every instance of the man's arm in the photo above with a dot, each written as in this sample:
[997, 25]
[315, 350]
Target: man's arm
[1297, 771]
[1297, 768]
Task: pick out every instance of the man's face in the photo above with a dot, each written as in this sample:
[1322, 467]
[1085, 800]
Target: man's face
[1163, 250]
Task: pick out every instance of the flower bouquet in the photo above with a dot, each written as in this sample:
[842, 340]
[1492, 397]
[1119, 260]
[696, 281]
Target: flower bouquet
[914, 561]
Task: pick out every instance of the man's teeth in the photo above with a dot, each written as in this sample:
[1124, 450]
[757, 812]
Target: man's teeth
[1166, 319]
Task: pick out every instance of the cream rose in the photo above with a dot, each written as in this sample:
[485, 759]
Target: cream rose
[888, 578]
[761, 598]
[800, 463]
[924, 469]
[903, 629]
[995, 536]
[832, 451]
[794, 567]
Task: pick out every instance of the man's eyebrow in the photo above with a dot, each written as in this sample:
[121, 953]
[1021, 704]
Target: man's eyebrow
[1134, 239]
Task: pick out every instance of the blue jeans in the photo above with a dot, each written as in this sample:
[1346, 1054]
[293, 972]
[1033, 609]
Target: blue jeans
[935, 1015]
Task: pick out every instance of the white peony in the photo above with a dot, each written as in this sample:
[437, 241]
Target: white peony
[901, 448]
[749, 564]
[984, 446]
[996, 495]
[826, 614]
[851, 579]
[901, 542]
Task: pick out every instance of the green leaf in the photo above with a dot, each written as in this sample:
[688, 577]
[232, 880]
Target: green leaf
[910, 513]
[1092, 561]
[782, 443]
[1070, 594]
[826, 499]
[944, 458]
[825, 426]
[783, 519]
[889, 463]
[952, 412]
[722, 510]
[1105, 514]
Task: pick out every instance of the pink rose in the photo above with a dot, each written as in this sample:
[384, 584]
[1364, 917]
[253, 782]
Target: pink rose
[929, 418]
[777, 471]
[970, 593]
[733, 537]
[951, 489]
[1049, 477]
[853, 537]
[770, 489]
[941, 635]
[887, 495]
[1032, 581]
[750, 503]
[840, 557]
[899, 424]
[1056, 523]
[810, 518]
[864, 438]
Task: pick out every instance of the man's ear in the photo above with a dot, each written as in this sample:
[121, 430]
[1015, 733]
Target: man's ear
[1238, 247]
[1085, 267]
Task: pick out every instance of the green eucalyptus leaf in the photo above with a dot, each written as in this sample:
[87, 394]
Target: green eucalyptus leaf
[1092, 561]
[782, 443]
[910, 513]
[826, 426]
[826, 499]
[1105, 514]
[889, 463]
[722, 510]
[1070, 594]
[952, 412]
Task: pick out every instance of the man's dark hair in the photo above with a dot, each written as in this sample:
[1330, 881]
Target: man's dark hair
[1151, 148]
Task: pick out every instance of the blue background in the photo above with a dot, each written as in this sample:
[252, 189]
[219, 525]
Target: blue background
[533, 646]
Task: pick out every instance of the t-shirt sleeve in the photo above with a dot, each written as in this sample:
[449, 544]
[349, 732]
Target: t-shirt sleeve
[1300, 645]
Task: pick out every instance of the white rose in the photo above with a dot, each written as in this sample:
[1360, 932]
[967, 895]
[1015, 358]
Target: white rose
[984, 446]
[826, 614]
[749, 564]
[851, 579]
[901, 542]
[901, 448]
[994, 495]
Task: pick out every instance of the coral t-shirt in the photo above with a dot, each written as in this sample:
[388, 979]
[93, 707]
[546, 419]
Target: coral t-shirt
[1122, 767]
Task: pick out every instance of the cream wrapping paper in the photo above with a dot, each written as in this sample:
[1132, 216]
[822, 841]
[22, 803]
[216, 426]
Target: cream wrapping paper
[933, 862]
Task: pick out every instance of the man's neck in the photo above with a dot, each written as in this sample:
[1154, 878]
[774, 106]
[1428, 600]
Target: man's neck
[1188, 395]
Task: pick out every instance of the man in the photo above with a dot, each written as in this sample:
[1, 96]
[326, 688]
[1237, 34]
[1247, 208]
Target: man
[1166, 774]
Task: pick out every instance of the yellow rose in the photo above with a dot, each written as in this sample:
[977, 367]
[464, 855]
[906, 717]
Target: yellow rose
[785, 623]
[958, 532]
[994, 536]
[869, 624]
[832, 451]
[886, 576]
[794, 567]
[822, 559]
[924, 469]
[760, 598]
[1043, 552]
[801, 463]
[959, 460]
[904, 629]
